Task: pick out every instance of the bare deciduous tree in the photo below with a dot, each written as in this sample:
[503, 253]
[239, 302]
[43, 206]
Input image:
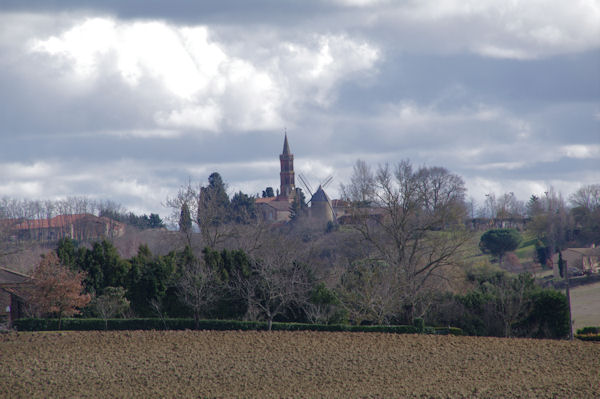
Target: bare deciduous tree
[206, 212]
[212, 217]
[323, 306]
[587, 197]
[111, 303]
[278, 279]
[197, 286]
[185, 199]
[512, 302]
[554, 224]
[416, 230]
[157, 306]
[509, 207]
[362, 184]
[369, 292]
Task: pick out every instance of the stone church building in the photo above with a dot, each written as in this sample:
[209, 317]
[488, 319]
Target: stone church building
[277, 208]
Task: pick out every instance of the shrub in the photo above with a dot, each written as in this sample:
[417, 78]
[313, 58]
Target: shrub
[512, 260]
[590, 337]
[500, 241]
[588, 334]
[448, 331]
[419, 324]
[588, 330]
[549, 317]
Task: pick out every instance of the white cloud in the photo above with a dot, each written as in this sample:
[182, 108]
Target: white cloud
[314, 71]
[580, 151]
[503, 52]
[501, 165]
[314, 169]
[20, 189]
[522, 188]
[83, 45]
[497, 28]
[129, 187]
[18, 170]
[206, 86]
[147, 133]
[408, 114]
[206, 117]
[132, 182]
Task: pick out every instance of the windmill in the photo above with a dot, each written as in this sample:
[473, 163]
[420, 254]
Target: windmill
[321, 207]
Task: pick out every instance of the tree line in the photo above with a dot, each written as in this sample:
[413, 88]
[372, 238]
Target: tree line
[401, 258]
[230, 284]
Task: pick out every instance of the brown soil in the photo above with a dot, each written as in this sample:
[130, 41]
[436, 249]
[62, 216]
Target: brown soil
[293, 364]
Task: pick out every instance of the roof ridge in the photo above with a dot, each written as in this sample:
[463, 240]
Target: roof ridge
[14, 272]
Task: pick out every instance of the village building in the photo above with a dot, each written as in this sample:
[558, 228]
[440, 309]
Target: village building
[579, 260]
[279, 208]
[321, 208]
[12, 303]
[81, 227]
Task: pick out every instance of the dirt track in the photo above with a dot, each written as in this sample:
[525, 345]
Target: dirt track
[293, 364]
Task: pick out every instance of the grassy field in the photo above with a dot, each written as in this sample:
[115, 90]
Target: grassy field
[526, 250]
[585, 305]
[293, 364]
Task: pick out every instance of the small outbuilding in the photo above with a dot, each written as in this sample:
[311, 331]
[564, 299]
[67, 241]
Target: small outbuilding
[12, 287]
[582, 260]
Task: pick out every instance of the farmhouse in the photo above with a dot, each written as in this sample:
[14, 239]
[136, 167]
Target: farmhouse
[583, 260]
[78, 226]
[12, 303]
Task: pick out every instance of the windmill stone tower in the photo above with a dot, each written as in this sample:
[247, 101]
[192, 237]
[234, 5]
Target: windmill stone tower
[320, 206]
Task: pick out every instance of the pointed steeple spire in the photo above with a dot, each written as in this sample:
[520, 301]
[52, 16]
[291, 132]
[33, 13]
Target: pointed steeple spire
[288, 184]
[286, 146]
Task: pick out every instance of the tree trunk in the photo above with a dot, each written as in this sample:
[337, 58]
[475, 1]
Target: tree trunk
[507, 329]
[410, 313]
[568, 294]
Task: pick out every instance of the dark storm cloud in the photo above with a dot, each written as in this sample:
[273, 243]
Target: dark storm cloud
[183, 11]
[514, 83]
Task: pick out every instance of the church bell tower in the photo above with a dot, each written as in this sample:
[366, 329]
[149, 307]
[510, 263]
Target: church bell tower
[288, 185]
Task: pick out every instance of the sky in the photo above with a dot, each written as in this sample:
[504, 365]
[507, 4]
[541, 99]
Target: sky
[129, 100]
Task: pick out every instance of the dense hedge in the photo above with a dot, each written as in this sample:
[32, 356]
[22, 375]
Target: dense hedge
[588, 334]
[589, 337]
[219, 325]
[448, 331]
[588, 330]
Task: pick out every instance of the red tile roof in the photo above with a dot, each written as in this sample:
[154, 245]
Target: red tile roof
[57, 221]
[264, 200]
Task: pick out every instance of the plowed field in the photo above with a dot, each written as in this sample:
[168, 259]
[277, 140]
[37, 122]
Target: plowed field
[293, 364]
